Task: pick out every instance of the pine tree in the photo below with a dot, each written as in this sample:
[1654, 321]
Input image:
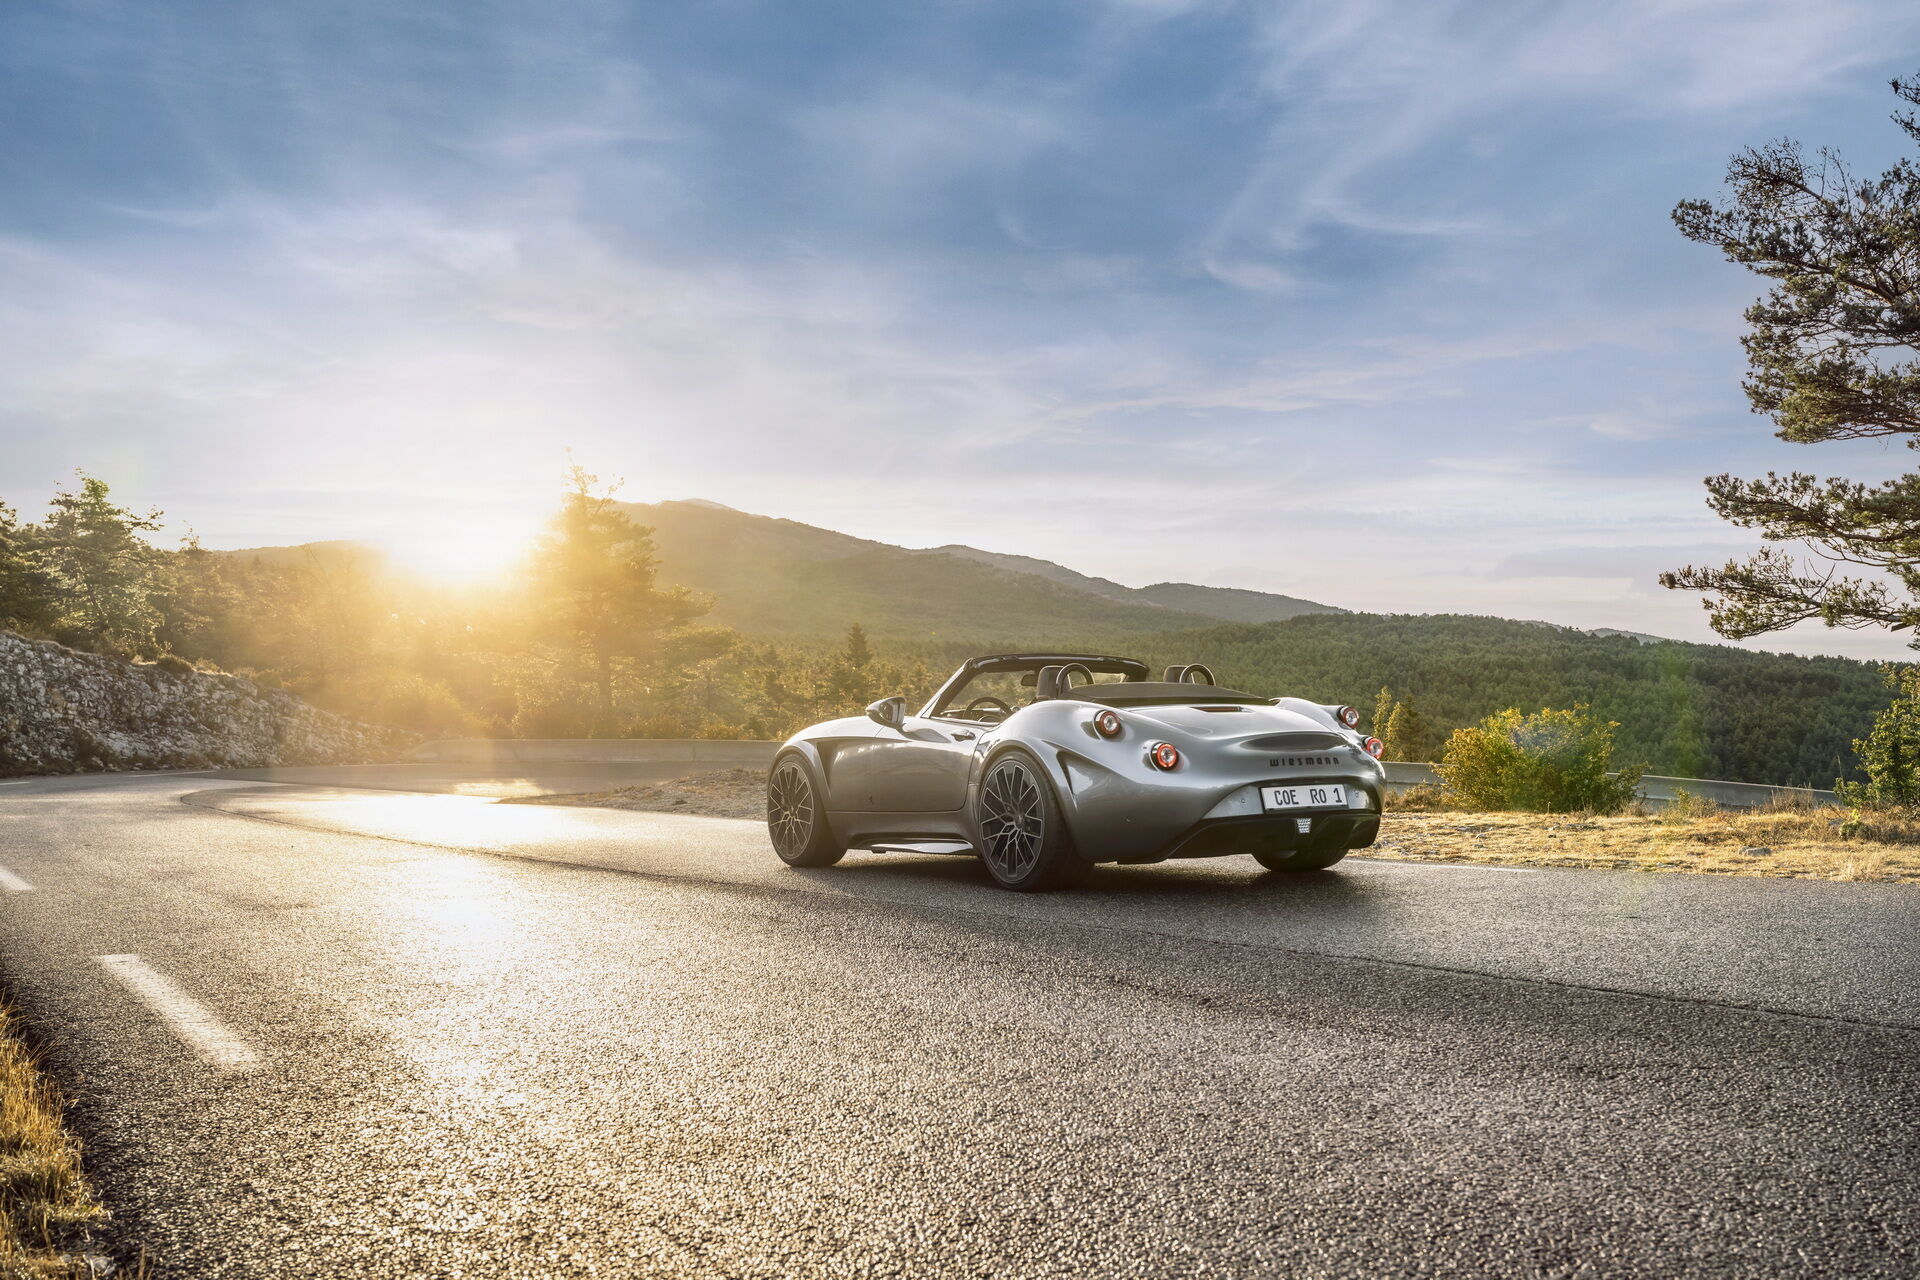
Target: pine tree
[105, 577]
[1833, 353]
[25, 592]
[1890, 754]
[198, 603]
[858, 653]
[1382, 713]
[850, 680]
[1406, 736]
[594, 574]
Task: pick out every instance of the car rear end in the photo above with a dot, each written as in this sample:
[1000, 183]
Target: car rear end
[1149, 783]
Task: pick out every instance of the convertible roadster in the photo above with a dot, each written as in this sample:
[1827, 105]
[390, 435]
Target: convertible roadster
[1043, 764]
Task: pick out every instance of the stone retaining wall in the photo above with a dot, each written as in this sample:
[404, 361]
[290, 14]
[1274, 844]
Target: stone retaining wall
[62, 711]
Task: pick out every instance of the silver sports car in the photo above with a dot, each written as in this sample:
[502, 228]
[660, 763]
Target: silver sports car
[1042, 764]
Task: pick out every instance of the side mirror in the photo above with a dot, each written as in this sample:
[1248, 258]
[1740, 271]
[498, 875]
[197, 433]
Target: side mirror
[891, 712]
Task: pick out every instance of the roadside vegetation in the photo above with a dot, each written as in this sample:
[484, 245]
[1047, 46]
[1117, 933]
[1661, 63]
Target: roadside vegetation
[1548, 761]
[1543, 790]
[46, 1206]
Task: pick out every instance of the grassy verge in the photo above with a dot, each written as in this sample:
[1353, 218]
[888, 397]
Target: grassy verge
[1819, 842]
[45, 1203]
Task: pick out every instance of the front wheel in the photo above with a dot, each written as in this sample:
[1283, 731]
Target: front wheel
[1023, 839]
[797, 817]
[1299, 859]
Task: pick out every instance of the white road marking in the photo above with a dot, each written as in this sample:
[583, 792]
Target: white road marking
[192, 1021]
[1445, 866]
[13, 883]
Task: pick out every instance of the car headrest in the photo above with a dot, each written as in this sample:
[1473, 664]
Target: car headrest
[1192, 673]
[1056, 681]
[1172, 675]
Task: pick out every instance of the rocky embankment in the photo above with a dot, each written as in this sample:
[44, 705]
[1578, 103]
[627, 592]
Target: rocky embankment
[67, 712]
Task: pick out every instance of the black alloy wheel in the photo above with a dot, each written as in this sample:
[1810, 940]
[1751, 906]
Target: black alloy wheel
[796, 820]
[1023, 840]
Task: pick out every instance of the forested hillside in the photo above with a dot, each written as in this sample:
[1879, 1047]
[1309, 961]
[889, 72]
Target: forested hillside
[1692, 710]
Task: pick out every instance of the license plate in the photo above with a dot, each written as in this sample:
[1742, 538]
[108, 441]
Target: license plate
[1311, 795]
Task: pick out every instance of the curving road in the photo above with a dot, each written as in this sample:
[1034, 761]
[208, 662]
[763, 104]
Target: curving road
[330, 1023]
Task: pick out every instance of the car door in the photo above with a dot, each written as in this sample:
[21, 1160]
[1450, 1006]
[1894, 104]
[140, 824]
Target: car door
[922, 767]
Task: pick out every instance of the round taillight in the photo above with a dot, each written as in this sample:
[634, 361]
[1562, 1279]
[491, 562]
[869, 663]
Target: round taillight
[1107, 724]
[1164, 755]
[1349, 716]
[1374, 747]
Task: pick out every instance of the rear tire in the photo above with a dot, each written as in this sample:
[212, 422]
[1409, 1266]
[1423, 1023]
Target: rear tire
[1023, 837]
[797, 816]
[1299, 859]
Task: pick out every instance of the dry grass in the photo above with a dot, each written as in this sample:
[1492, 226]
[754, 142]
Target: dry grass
[1819, 842]
[45, 1203]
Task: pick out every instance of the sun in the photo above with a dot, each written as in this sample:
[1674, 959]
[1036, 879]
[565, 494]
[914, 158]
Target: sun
[463, 554]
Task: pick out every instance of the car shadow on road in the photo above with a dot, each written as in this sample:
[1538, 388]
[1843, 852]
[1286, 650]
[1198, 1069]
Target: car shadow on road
[1192, 891]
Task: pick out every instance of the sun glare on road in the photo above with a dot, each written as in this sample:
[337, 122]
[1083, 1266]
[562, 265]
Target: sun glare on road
[459, 822]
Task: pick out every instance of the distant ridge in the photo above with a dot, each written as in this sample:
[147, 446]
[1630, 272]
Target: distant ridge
[307, 553]
[1230, 604]
[1235, 604]
[781, 577]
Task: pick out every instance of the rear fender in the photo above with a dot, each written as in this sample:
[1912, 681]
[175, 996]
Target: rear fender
[1059, 733]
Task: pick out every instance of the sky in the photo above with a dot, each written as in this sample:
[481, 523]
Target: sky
[1374, 303]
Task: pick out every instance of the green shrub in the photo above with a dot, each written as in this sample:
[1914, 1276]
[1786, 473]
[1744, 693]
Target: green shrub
[657, 724]
[1890, 753]
[1421, 797]
[1687, 806]
[1546, 762]
[173, 664]
[425, 707]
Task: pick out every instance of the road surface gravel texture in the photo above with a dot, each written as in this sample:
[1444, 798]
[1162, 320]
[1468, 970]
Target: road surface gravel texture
[370, 1022]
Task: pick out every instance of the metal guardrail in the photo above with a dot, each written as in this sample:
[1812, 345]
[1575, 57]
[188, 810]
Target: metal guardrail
[738, 753]
[1655, 789]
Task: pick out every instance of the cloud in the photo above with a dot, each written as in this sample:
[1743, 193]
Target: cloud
[1256, 276]
[1377, 96]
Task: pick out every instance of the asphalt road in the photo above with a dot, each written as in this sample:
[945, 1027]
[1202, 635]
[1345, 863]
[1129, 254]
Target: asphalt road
[347, 1031]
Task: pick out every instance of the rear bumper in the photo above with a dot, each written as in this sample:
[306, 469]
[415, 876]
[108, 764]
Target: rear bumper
[1275, 834]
